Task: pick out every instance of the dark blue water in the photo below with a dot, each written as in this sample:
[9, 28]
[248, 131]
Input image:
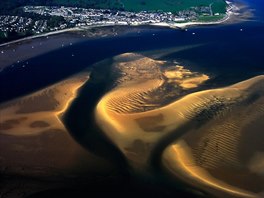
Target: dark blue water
[228, 54]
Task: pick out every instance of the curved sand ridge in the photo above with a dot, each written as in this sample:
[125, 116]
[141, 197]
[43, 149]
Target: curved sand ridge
[132, 114]
[35, 143]
[42, 110]
[226, 153]
[210, 128]
[148, 128]
[139, 77]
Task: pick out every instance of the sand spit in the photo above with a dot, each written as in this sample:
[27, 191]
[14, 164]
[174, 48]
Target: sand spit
[41, 109]
[179, 161]
[213, 125]
[34, 141]
[147, 128]
[132, 114]
[223, 154]
[37, 153]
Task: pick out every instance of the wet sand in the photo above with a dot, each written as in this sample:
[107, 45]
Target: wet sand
[36, 148]
[41, 110]
[204, 138]
[14, 52]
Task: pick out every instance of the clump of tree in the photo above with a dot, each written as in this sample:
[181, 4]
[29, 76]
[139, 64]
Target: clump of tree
[13, 35]
[9, 5]
[55, 21]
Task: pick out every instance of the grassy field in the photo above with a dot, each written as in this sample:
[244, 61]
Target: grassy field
[128, 5]
[173, 5]
[210, 18]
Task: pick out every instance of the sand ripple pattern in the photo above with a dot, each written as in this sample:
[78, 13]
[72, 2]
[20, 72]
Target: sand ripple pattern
[211, 139]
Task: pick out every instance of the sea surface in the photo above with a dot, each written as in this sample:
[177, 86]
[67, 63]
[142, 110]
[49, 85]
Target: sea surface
[229, 52]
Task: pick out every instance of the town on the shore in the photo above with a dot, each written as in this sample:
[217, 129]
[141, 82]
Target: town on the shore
[42, 19]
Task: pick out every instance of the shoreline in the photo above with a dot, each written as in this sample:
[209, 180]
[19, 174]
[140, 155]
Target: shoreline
[40, 35]
[176, 25]
[230, 12]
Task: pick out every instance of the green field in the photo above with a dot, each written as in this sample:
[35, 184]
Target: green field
[173, 5]
[128, 5]
[210, 18]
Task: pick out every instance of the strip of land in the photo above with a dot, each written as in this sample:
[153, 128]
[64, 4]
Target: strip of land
[66, 19]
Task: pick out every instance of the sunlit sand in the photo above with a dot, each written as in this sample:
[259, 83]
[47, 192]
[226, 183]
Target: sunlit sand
[41, 110]
[185, 78]
[179, 161]
[131, 114]
[226, 151]
[34, 141]
[209, 127]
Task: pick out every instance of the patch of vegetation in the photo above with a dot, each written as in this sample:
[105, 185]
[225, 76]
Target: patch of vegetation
[10, 36]
[210, 18]
[218, 6]
[174, 6]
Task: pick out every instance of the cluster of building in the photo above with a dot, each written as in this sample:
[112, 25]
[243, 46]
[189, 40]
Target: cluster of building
[14, 23]
[75, 17]
[22, 25]
[82, 16]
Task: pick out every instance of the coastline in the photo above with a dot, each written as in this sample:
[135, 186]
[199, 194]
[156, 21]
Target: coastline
[176, 25]
[194, 23]
[230, 12]
[40, 35]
